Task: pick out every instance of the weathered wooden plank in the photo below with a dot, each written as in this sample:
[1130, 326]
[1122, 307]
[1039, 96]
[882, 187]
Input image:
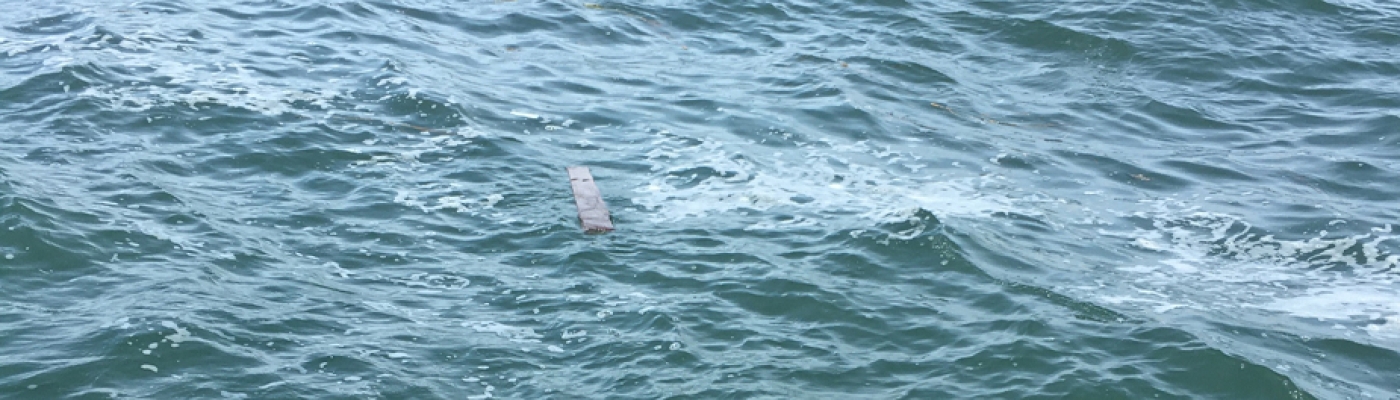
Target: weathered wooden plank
[592, 212]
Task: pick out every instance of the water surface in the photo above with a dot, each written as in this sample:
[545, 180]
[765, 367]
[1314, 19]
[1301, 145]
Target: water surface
[868, 199]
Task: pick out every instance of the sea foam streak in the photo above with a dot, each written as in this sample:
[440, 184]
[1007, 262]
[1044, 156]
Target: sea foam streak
[1191, 259]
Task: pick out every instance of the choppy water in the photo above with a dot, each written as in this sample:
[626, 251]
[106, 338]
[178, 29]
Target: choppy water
[814, 199]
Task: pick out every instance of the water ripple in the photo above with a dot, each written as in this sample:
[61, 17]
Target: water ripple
[814, 199]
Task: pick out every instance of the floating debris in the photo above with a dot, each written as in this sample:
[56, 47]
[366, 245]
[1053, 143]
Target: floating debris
[592, 212]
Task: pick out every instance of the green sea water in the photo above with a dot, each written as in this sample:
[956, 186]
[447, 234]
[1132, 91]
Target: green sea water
[814, 199]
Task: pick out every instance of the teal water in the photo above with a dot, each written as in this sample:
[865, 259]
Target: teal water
[814, 199]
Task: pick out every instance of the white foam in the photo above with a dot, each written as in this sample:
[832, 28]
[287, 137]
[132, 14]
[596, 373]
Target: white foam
[1373, 302]
[174, 77]
[1217, 261]
[202, 88]
[1192, 260]
[511, 333]
[819, 179]
[119, 323]
[394, 81]
[452, 202]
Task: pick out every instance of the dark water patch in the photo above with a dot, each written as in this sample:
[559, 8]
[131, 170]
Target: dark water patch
[268, 34]
[874, 88]
[1126, 173]
[1224, 373]
[1360, 190]
[1317, 7]
[727, 10]
[53, 24]
[1046, 36]
[1024, 222]
[1017, 161]
[271, 10]
[1207, 172]
[852, 122]
[908, 72]
[164, 7]
[1378, 35]
[316, 13]
[1267, 145]
[52, 235]
[289, 163]
[1191, 119]
[1362, 358]
[43, 95]
[514, 24]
